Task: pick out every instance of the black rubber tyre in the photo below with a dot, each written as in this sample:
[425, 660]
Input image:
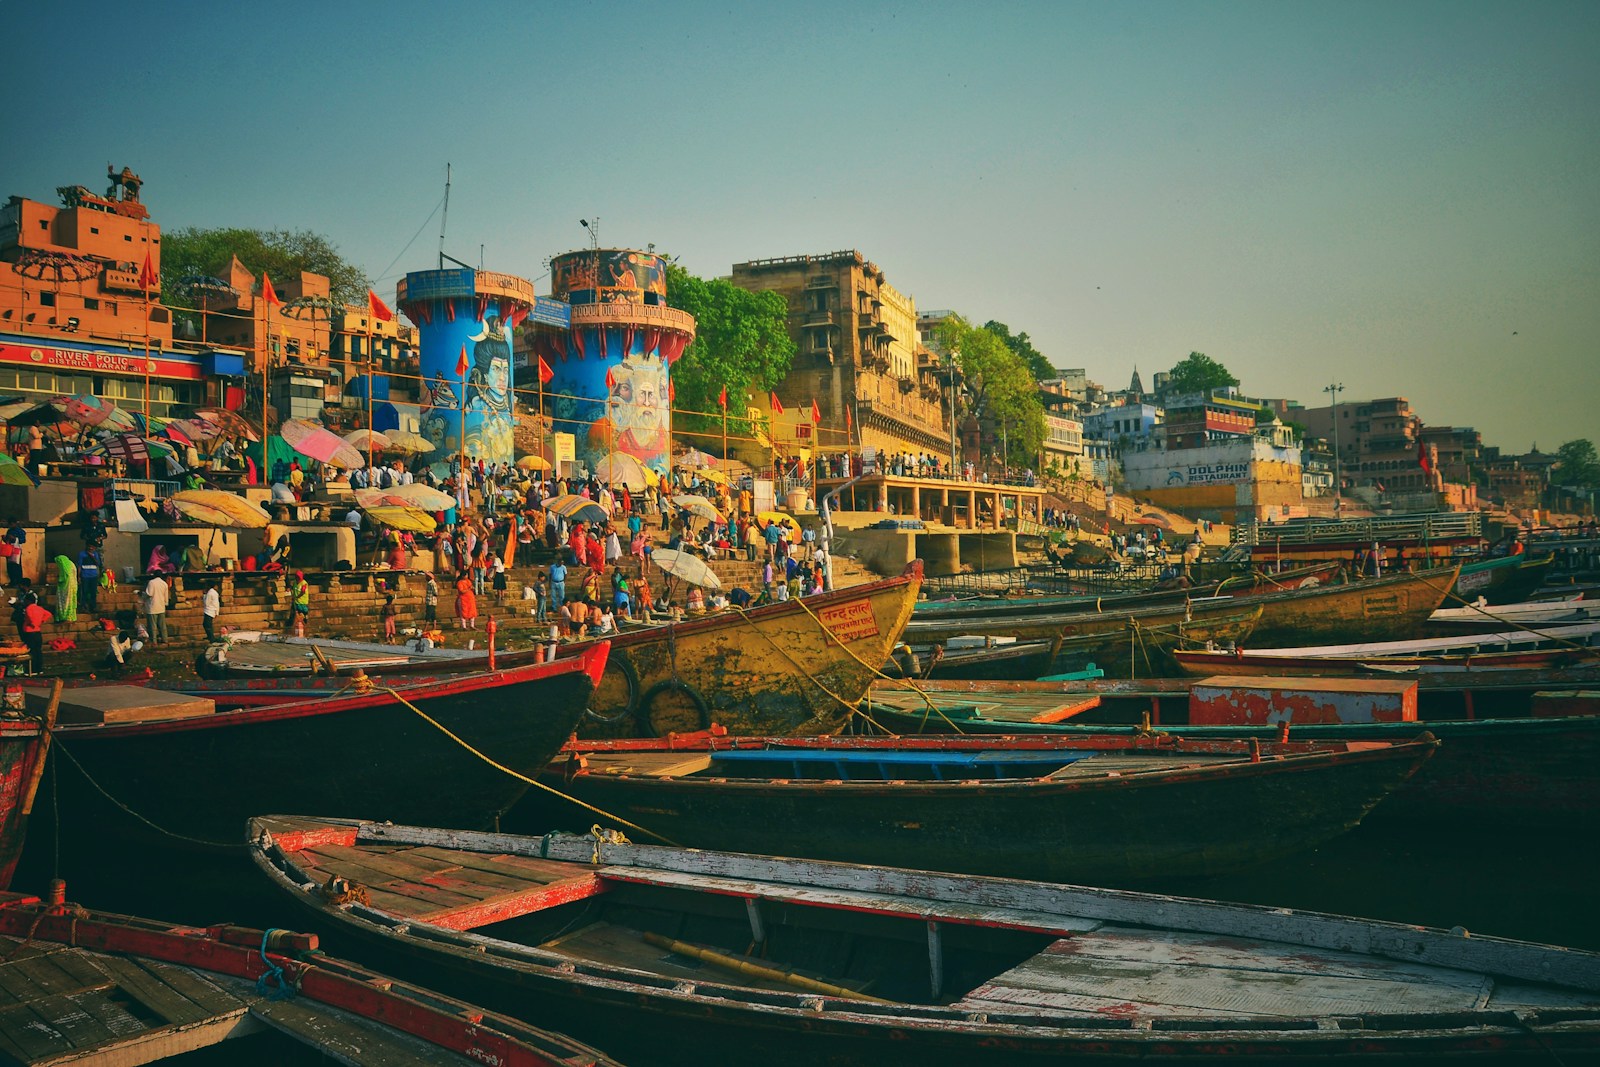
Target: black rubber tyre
[630, 679]
[647, 706]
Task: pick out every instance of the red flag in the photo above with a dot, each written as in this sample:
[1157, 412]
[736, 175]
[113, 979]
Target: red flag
[380, 310]
[461, 364]
[848, 427]
[722, 398]
[268, 293]
[147, 276]
[777, 405]
[672, 392]
[1422, 458]
[545, 373]
[816, 413]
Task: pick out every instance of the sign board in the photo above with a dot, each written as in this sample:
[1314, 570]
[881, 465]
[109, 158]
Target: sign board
[566, 447]
[763, 495]
[869, 459]
[89, 361]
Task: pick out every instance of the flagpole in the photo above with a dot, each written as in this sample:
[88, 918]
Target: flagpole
[370, 354]
[724, 431]
[266, 355]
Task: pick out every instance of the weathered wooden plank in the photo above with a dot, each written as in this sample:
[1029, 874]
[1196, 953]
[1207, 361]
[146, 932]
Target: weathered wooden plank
[35, 976]
[395, 864]
[29, 1029]
[347, 1038]
[357, 870]
[853, 900]
[158, 1045]
[523, 902]
[195, 985]
[153, 992]
[489, 871]
[71, 1017]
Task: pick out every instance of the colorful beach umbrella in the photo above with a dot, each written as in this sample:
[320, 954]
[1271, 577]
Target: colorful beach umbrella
[408, 442]
[365, 439]
[533, 463]
[220, 508]
[14, 473]
[697, 505]
[422, 496]
[93, 412]
[694, 459]
[767, 518]
[132, 446]
[232, 424]
[414, 520]
[575, 508]
[619, 468]
[317, 442]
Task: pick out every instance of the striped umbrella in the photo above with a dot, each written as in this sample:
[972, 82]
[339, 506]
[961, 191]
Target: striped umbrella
[367, 439]
[14, 473]
[315, 441]
[94, 412]
[132, 446]
[402, 518]
[231, 423]
[220, 508]
[697, 505]
[576, 508]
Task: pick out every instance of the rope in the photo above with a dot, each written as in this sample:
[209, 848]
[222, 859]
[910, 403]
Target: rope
[522, 777]
[272, 974]
[154, 826]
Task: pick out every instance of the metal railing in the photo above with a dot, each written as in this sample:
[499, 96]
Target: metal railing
[1440, 526]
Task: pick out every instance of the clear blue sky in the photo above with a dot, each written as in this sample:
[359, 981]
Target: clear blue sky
[1401, 196]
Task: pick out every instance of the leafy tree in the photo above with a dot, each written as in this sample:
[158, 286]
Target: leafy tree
[1037, 365]
[999, 386]
[192, 251]
[1579, 465]
[741, 343]
[1199, 373]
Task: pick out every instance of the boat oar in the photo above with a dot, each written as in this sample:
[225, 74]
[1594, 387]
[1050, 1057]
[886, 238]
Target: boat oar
[755, 970]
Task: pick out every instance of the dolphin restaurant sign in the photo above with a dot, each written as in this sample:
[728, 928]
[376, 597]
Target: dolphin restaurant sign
[98, 361]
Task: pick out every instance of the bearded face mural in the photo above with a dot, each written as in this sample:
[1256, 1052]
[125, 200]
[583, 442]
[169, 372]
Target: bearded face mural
[637, 406]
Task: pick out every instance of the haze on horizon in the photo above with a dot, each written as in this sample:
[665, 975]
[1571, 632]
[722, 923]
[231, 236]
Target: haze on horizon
[1398, 196]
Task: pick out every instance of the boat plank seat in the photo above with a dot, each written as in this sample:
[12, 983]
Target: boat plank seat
[64, 1004]
[1116, 763]
[455, 890]
[880, 765]
[862, 900]
[1008, 707]
[646, 764]
[1117, 971]
[117, 703]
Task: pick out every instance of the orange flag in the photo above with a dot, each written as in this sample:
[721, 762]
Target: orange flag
[268, 293]
[545, 373]
[722, 398]
[380, 310]
[147, 276]
[461, 364]
[816, 413]
[777, 405]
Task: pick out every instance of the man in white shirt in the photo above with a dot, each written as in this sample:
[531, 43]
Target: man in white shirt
[156, 596]
[210, 608]
[352, 518]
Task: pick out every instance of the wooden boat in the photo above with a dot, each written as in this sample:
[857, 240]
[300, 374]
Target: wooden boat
[1571, 611]
[22, 760]
[1139, 647]
[1234, 584]
[793, 667]
[1488, 772]
[94, 988]
[1113, 810]
[1396, 606]
[1501, 580]
[433, 753]
[1512, 649]
[689, 957]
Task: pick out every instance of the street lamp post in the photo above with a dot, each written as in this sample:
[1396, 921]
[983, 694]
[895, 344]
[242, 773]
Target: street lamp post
[950, 362]
[1333, 391]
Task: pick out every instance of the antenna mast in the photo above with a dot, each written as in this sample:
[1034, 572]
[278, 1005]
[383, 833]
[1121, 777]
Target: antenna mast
[445, 221]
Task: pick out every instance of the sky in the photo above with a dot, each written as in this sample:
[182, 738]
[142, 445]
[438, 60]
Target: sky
[1399, 197]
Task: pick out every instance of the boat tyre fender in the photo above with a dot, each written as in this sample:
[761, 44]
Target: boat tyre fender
[647, 725]
[630, 680]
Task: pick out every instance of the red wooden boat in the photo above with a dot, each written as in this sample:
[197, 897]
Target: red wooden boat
[437, 753]
[1098, 810]
[88, 987]
[21, 764]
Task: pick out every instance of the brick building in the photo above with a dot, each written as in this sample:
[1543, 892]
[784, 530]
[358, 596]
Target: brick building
[857, 345]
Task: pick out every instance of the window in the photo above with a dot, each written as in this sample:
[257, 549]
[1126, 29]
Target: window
[128, 237]
[94, 229]
[47, 299]
[91, 304]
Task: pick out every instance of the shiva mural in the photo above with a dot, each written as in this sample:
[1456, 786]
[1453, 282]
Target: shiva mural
[472, 356]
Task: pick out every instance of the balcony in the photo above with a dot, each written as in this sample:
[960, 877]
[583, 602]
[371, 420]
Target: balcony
[820, 318]
[822, 281]
[120, 280]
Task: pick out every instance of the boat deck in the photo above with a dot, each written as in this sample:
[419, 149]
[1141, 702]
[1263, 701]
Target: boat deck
[1012, 707]
[61, 1004]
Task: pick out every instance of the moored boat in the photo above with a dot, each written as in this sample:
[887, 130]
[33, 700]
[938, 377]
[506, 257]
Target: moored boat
[22, 759]
[436, 753]
[1567, 611]
[792, 667]
[686, 956]
[88, 987]
[1107, 810]
[1502, 579]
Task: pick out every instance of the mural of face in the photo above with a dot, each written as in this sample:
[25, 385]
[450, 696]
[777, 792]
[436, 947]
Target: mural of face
[638, 389]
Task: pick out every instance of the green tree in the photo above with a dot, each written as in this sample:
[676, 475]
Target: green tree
[741, 344]
[1037, 365]
[999, 387]
[192, 252]
[1199, 373]
[1579, 465]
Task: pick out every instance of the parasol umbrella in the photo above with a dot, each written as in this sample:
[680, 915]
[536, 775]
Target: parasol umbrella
[426, 497]
[192, 431]
[13, 406]
[220, 509]
[406, 441]
[534, 463]
[697, 505]
[767, 518]
[691, 569]
[377, 498]
[14, 473]
[619, 468]
[367, 439]
[92, 411]
[231, 423]
[132, 446]
[715, 477]
[576, 508]
[319, 443]
[398, 517]
[694, 459]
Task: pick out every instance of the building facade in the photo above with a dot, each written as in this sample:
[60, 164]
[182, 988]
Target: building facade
[858, 348]
[1238, 477]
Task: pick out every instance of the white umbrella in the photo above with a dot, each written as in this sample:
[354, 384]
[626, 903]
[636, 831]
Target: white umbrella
[691, 569]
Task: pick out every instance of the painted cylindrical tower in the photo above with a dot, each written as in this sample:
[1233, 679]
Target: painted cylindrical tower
[611, 386]
[465, 322]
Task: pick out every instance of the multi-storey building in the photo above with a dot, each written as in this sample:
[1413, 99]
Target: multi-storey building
[858, 348]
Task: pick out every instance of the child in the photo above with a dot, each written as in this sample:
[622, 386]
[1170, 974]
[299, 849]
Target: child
[499, 580]
[389, 613]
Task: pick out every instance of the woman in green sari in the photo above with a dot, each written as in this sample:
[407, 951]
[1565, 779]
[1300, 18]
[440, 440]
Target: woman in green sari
[66, 589]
